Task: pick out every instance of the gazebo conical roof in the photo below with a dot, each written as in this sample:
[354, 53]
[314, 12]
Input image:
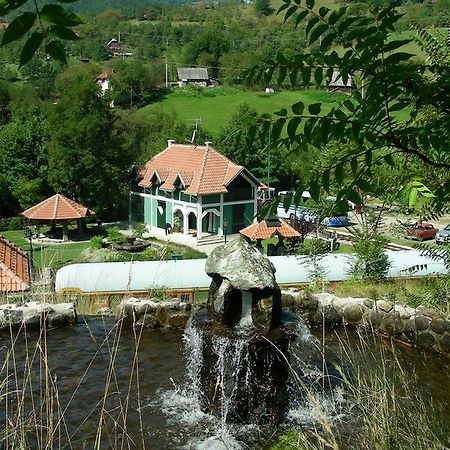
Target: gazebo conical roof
[57, 207]
[269, 228]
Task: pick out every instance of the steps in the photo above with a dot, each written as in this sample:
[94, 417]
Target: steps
[213, 239]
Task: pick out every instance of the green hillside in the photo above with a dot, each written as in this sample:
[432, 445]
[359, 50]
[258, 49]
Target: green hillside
[214, 106]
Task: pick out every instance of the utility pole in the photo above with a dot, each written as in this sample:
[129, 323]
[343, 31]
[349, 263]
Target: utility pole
[167, 73]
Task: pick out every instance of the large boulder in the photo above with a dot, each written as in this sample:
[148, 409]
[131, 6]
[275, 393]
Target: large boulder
[242, 278]
[245, 267]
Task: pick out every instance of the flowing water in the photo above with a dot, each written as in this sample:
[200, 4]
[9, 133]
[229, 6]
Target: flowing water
[163, 409]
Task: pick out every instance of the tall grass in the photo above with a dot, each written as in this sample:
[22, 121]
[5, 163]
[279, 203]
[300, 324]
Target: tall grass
[383, 409]
[31, 406]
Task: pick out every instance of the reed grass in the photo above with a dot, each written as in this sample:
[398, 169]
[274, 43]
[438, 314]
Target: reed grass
[383, 409]
[31, 409]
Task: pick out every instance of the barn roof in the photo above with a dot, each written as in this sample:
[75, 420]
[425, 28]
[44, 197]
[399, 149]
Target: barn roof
[57, 207]
[193, 73]
[14, 274]
[337, 81]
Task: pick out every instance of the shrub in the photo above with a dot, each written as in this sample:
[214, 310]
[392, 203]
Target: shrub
[11, 223]
[114, 234]
[96, 242]
[139, 230]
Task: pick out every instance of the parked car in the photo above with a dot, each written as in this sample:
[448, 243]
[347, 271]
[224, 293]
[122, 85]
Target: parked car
[421, 231]
[443, 235]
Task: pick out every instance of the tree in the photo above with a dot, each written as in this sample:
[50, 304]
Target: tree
[265, 161]
[389, 80]
[263, 8]
[87, 158]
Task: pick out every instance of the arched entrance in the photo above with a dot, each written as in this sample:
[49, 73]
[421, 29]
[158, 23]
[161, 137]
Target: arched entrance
[210, 221]
[192, 223]
[178, 221]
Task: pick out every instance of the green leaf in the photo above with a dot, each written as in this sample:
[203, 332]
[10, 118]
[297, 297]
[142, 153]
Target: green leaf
[306, 73]
[60, 16]
[63, 33]
[394, 45]
[6, 6]
[30, 47]
[354, 196]
[18, 27]
[314, 108]
[282, 112]
[349, 105]
[287, 200]
[317, 32]
[368, 158]
[364, 185]
[326, 179]
[339, 173]
[277, 127]
[412, 198]
[310, 4]
[327, 41]
[323, 11]
[300, 16]
[298, 108]
[395, 58]
[311, 23]
[314, 190]
[282, 72]
[293, 126]
[354, 165]
[289, 12]
[389, 160]
[318, 76]
[57, 51]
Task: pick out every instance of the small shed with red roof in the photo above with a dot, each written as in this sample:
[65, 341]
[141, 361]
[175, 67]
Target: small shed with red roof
[196, 190]
[14, 268]
[58, 208]
[270, 228]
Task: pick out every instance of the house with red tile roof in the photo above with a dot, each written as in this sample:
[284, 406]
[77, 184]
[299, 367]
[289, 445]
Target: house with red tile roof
[14, 270]
[196, 190]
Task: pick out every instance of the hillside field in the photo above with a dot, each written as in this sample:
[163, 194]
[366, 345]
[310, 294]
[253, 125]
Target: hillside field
[214, 106]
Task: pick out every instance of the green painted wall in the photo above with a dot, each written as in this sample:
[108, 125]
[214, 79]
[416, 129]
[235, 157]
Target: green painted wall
[147, 210]
[207, 199]
[228, 215]
[169, 212]
[249, 213]
[154, 213]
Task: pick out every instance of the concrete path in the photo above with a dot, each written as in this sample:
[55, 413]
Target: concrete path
[183, 239]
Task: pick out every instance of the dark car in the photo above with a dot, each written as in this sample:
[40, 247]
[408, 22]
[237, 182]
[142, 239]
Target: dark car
[421, 231]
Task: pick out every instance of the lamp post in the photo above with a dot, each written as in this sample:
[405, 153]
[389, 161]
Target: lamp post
[225, 224]
[28, 234]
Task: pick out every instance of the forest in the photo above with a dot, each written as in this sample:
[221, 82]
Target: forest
[56, 129]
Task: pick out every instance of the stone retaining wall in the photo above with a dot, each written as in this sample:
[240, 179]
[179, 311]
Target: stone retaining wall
[421, 326]
[154, 313]
[35, 314]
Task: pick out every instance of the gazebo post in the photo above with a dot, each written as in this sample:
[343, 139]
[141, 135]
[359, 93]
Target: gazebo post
[80, 227]
[65, 231]
[52, 228]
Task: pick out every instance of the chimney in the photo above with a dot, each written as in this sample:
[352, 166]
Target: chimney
[208, 143]
[170, 142]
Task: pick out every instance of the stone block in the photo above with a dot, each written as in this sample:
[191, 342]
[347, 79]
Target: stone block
[438, 326]
[422, 322]
[425, 339]
[353, 313]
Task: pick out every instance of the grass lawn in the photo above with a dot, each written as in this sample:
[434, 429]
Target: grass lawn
[48, 255]
[214, 106]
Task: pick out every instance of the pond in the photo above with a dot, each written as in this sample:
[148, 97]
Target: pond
[88, 385]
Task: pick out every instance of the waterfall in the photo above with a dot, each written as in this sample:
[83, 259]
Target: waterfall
[246, 314]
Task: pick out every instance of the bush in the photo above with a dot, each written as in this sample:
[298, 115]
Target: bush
[96, 242]
[11, 223]
[114, 234]
[139, 230]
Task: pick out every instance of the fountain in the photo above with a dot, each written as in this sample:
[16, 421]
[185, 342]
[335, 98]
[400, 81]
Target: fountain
[243, 373]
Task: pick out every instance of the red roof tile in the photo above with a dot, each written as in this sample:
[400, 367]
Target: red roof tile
[14, 274]
[263, 230]
[203, 169]
[57, 207]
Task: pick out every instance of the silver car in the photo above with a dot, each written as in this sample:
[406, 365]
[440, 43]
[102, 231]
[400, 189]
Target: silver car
[443, 235]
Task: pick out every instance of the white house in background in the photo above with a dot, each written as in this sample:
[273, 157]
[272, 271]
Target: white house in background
[103, 81]
[196, 190]
[337, 83]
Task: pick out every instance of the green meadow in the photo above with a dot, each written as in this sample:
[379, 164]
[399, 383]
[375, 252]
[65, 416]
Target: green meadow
[214, 106]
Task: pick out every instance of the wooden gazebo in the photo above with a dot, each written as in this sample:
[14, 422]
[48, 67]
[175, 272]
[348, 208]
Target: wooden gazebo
[270, 228]
[58, 209]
